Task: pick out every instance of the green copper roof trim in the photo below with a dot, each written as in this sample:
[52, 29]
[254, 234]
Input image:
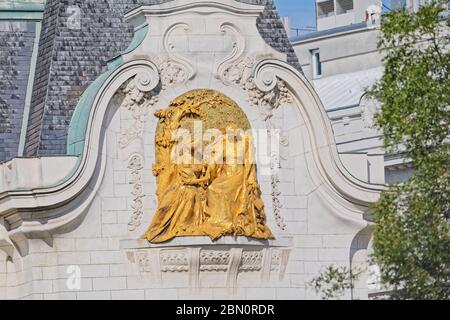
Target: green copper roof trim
[78, 124]
[21, 15]
[21, 10]
[22, 6]
[79, 121]
[139, 36]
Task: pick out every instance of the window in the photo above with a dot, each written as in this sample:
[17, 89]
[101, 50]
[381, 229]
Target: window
[316, 63]
[344, 6]
[325, 9]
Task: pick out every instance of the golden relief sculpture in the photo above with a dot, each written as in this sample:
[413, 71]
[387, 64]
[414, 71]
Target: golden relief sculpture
[213, 196]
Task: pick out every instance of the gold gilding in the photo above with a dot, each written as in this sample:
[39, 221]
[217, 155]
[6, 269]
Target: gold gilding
[208, 198]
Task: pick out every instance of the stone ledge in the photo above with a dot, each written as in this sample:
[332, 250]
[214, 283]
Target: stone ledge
[195, 257]
[205, 241]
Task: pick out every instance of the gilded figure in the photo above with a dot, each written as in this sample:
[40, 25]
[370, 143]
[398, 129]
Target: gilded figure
[207, 197]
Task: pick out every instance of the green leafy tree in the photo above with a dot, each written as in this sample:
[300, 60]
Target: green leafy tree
[411, 238]
[333, 282]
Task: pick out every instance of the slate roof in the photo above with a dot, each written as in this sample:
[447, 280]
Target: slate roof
[69, 60]
[16, 46]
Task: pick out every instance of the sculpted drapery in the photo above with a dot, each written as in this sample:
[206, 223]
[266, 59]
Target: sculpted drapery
[214, 196]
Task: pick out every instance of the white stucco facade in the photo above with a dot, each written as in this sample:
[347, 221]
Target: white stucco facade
[80, 218]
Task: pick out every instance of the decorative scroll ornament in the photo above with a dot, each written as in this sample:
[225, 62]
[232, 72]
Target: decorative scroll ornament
[269, 101]
[171, 73]
[267, 94]
[138, 102]
[229, 70]
[175, 68]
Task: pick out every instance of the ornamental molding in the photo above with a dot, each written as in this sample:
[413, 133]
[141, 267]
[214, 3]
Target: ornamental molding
[143, 261]
[252, 260]
[231, 69]
[214, 260]
[277, 206]
[174, 260]
[266, 91]
[172, 73]
[175, 68]
[136, 165]
[138, 103]
[232, 7]
[227, 261]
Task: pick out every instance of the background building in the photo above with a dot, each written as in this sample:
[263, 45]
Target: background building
[337, 13]
[342, 61]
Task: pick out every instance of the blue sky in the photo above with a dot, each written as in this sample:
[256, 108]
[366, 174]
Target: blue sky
[302, 12]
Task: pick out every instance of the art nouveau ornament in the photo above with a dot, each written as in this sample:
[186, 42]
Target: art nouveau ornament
[216, 195]
[137, 101]
[228, 263]
[136, 165]
[176, 68]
